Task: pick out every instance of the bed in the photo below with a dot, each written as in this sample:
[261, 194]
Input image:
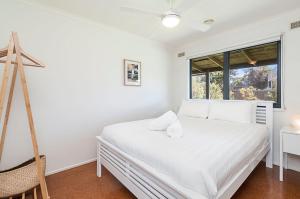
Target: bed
[212, 160]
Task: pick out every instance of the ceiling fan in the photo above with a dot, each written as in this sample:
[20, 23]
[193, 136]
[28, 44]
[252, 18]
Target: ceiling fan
[172, 17]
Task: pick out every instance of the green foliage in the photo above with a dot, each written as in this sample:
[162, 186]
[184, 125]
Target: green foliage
[215, 91]
[258, 77]
[248, 93]
[216, 77]
[253, 83]
[216, 85]
[245, 83]
[198, 90]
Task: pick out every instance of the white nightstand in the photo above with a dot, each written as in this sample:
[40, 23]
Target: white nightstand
[289, 143]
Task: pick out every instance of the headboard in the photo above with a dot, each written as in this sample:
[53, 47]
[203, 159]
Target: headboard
[264, 115]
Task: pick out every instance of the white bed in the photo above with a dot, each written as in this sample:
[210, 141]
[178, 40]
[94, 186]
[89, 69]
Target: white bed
[212, 159]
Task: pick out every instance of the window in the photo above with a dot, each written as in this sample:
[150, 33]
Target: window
[251, 73]
[207, 77]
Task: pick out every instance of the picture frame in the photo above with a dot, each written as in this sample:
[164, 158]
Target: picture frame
[132, 72]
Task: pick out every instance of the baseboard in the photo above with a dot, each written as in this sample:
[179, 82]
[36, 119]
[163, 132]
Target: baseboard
[292, 164]
[70, 167]
[94, 159]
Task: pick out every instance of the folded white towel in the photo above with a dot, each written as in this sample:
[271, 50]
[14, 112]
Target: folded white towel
[175, 130]
[163, 122]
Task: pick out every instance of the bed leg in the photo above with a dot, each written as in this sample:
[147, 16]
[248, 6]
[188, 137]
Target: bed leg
[269, 159]
[98, 159]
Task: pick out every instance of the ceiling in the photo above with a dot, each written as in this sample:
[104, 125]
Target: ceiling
[228, 14]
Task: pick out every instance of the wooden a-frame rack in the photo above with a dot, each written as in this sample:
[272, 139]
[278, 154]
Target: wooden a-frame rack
[6, 55]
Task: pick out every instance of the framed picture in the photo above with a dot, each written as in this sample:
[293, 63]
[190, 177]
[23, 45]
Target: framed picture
[132, 73]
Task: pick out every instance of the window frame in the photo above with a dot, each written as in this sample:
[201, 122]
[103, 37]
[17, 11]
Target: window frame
[226, 72]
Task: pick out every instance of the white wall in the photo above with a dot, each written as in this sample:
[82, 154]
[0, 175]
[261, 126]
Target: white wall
[253, 32]
[81, 90]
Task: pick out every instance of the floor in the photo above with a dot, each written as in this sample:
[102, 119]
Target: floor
[82, 183]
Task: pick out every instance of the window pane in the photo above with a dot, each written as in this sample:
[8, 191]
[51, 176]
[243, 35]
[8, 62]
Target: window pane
[198, 86]
[207, 77]
[253, 73]
[216, 85]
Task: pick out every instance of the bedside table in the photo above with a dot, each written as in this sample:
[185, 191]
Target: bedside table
[289, 143]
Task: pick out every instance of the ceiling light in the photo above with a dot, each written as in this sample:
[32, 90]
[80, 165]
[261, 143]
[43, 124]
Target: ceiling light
[170, 19]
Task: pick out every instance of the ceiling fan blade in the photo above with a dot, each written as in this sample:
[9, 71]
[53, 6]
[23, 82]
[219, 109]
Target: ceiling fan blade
[139, 11]
[185, 5]
[200, 26]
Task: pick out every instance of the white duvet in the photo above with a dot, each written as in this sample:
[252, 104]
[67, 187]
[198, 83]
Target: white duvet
[209, 154]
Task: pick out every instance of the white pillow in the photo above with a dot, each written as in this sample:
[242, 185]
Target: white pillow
[231, 111]
[194, 108]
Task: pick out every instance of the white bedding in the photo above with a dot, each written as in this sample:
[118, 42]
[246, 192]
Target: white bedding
[209, 154]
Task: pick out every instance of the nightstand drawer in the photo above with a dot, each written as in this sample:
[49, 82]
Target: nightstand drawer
[291, 143]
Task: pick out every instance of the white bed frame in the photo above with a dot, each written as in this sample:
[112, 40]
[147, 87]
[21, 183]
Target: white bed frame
[146, 184]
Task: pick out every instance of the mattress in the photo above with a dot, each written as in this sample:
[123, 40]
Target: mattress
[208, 156]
